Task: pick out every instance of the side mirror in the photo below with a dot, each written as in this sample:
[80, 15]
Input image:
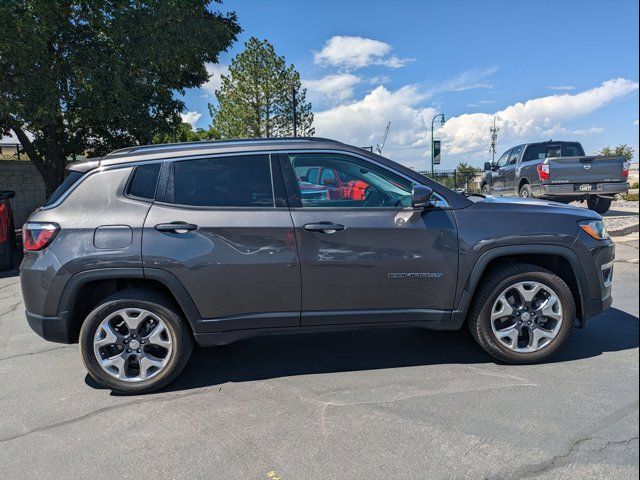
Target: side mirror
[487, 166]
[421, 196]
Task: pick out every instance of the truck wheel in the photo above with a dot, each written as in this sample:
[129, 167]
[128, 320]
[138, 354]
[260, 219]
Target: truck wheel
[525, 191]
[599, 204]
[486, 190]
[522, 314]
[135, 342]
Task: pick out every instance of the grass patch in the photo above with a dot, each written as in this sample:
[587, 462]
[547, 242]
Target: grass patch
[630, 197]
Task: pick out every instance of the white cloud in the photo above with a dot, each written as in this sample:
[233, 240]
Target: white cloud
[465, 137]
[350, 52]
[191, 118]
[534, 118]
[636, 123]
[470, 79]
[379, 80]
[562, 87]
[362, 123]
[336, 88]
[215, 70]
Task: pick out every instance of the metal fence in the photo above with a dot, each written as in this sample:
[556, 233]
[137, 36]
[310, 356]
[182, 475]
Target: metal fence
[456, 180]
[12, 151]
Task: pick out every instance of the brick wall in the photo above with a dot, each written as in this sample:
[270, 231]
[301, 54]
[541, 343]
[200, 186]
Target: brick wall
[23, 178]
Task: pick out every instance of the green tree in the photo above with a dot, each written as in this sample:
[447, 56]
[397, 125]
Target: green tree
[256, 98]
[467, 170]
[86, 76]
[619, 151]
[183, 133]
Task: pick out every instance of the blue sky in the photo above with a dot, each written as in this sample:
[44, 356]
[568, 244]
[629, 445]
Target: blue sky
[563, 70]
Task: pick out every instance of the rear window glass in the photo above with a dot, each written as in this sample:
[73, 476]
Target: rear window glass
[143, 183]
[539, 151]
[71, 178]
[235, 181]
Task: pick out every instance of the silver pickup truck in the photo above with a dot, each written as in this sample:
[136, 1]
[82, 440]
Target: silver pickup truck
[558, 171]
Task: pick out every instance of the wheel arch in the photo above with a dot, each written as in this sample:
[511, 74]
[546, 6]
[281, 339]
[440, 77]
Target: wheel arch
[86, 289]
[558, 259]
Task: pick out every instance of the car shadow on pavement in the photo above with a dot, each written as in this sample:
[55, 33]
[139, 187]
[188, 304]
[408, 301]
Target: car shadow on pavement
[268, 357]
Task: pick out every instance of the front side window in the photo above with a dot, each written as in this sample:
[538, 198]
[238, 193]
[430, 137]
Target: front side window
[504, 159]
[347, 181]
[231, 181]
[515, 153]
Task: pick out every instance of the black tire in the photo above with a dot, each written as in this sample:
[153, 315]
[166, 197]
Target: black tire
[158, 305]
[492, 286]
[486, 190]
[6, 257]
[525, 191]
[599, 204]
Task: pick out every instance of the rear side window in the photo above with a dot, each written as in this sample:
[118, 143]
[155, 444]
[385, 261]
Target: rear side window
[234, 181]
[71, 178]
[143, 182]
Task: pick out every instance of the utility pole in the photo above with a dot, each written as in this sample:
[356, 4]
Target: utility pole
[494, 137]
[380, 146]
[295, 107]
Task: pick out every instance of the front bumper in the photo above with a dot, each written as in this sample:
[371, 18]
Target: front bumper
[53, 329]
[567, 189]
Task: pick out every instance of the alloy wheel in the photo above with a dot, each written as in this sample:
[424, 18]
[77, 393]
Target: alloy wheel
[526, 316]
[132, 344]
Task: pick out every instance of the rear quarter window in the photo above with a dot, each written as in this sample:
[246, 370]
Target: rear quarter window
[71, 178]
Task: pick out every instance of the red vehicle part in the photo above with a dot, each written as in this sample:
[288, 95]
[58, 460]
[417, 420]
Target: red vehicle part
[7, 236]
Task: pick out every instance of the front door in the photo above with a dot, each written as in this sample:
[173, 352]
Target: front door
[369, 258]
[223, 229]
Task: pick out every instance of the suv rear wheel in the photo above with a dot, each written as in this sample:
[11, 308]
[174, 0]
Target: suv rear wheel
[135, 342]
[522, 314]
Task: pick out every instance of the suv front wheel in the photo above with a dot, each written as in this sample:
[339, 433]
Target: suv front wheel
[135, 342]
[522, 313]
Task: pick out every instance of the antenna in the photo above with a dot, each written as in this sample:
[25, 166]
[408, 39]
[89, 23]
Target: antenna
[494, 137]
[380, 146]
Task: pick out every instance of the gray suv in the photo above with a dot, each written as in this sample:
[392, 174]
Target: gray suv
[148, 250]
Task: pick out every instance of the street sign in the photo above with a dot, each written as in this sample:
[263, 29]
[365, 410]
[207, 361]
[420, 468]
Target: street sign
[436, 152]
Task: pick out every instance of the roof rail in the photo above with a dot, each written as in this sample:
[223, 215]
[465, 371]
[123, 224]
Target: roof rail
[204, 143]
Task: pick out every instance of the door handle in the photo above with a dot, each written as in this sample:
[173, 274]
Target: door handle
[176, 227]
[324, 227]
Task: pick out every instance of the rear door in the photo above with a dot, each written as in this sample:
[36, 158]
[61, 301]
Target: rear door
[498, 174]
[222, 227]
[371, 259]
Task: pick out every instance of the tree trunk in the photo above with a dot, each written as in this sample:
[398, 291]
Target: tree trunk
[51, 169]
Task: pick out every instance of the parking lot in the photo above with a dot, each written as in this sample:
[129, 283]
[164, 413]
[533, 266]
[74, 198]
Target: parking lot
[382, 404]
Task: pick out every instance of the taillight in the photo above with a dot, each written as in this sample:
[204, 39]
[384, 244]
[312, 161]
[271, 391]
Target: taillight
[544, 171]
[625, 169]
[36, 236]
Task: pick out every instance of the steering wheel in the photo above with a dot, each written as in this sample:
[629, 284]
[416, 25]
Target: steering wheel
[375, 198]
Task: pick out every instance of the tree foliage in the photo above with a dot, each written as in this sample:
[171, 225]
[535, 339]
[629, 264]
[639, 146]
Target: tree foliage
[619, 151]
[183, 132]
[256, 98]
[466, 169]
[85, 77]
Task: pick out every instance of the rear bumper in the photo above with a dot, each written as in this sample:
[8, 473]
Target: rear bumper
[567, 190]
[53, 329]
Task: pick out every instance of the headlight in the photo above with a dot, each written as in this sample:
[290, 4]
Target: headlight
[595, 229]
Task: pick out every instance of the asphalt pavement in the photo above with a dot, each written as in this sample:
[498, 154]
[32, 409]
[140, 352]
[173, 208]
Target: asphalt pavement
[383, 404]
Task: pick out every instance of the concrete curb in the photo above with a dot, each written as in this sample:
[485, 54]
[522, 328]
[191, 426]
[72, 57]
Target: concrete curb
[620, 232]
